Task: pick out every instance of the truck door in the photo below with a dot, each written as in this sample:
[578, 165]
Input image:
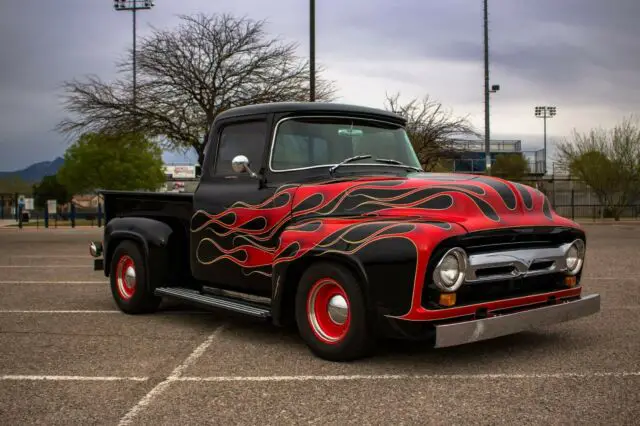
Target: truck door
[228, 249]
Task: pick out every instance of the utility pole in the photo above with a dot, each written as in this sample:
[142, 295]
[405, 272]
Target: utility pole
[487, 136]
[133, 6]
[487, 92]
[312, 50]
[545, 112]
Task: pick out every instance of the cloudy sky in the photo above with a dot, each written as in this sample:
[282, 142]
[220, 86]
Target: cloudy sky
[582, 56]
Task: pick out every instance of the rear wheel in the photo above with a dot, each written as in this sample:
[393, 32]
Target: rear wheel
[331, 313]
[129, 280]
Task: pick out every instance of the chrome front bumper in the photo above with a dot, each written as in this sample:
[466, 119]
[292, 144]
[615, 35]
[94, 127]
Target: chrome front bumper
[502, 325]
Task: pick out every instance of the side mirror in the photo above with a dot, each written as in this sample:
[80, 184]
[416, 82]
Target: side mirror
[240, 163]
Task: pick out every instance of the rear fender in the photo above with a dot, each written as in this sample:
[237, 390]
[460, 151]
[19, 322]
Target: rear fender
[151, 235]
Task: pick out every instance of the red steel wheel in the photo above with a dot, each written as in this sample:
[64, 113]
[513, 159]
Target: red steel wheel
[331, 312]
[328, 310]
[129, 279]
[126, 277]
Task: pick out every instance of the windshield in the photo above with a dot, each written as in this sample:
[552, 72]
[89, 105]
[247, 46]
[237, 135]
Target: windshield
[319, 141]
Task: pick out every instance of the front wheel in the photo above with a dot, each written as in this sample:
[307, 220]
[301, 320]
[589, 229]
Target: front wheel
[331, 313]
[128, 278]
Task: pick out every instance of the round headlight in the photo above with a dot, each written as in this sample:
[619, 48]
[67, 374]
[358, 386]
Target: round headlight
[574, 257]
[450, 271]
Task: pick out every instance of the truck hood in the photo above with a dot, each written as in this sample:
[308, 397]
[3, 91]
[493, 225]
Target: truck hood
[474, 202]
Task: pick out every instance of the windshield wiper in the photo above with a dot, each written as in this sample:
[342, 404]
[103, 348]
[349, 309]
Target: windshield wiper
[348, 160]
[392, 161]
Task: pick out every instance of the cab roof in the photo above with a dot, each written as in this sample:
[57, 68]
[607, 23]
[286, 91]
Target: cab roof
[312, 108]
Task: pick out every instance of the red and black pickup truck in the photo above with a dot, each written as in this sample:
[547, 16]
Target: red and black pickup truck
[319, 215]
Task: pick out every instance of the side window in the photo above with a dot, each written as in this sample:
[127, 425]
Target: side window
[246, 139]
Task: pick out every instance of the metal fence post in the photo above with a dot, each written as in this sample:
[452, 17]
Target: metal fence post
[73, 215]
[573, 213]
[46, 215]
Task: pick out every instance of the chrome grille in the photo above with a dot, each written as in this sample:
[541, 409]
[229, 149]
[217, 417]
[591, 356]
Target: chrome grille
[507, 264]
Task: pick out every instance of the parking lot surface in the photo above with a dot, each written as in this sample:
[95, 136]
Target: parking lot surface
[68, 356]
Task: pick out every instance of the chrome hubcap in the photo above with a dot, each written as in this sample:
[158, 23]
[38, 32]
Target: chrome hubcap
[130, 277]
[338, 309]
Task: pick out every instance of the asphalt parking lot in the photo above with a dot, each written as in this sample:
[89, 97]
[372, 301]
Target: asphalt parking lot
[67, 356]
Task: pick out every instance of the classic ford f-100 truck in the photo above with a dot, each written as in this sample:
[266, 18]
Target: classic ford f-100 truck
[318, 215]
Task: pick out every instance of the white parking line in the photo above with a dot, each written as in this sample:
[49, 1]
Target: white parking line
[61, 311]
[406, 377]
[73, 378]
[46, 266]
[104, 311]
[52, 256]
[54, 282]
[174, 376]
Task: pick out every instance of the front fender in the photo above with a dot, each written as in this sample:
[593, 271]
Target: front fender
[389, 256]
[149, 233]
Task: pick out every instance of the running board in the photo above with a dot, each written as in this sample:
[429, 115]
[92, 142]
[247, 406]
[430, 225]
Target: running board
[213, 301]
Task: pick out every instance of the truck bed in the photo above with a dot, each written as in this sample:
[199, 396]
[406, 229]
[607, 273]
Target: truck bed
[165, 206]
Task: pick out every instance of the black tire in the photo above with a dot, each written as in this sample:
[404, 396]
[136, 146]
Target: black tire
[139, 299]
[357, 338]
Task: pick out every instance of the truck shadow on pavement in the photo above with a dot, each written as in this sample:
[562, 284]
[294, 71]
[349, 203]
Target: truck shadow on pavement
[263, 340]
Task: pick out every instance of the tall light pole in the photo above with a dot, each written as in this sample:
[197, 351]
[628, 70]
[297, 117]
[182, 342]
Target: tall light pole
[133, 6]
[545, 112]
[312, 50]
[487, 92]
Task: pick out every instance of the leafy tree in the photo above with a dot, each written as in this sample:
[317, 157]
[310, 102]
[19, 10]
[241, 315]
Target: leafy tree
[608, 161]
[50, 189]
[187, 76]
[431, 129]
[510, 166]
[127, 161]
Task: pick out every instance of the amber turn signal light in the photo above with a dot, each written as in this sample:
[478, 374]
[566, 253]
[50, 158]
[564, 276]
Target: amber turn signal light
[448, 299]
[570, 281]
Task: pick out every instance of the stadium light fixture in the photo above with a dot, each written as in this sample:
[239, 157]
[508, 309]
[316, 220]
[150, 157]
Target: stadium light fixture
[545, 112]
[133, 6]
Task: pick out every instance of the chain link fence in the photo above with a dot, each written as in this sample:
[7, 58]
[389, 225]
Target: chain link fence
[574, 199]
[569, 197]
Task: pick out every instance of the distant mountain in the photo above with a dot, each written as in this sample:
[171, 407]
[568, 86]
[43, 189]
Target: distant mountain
[35, 172]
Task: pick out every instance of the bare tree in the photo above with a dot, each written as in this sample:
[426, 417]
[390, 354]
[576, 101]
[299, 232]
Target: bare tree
[608, 161]
[431, 129]
[187, 76]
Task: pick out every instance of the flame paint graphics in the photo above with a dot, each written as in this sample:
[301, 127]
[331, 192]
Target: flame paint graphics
[346, 216]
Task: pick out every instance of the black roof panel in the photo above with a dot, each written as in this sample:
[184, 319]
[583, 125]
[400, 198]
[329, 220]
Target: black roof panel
[310, 107]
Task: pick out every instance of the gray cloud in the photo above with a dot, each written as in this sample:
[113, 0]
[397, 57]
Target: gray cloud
[575, 52]
[568, 46]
